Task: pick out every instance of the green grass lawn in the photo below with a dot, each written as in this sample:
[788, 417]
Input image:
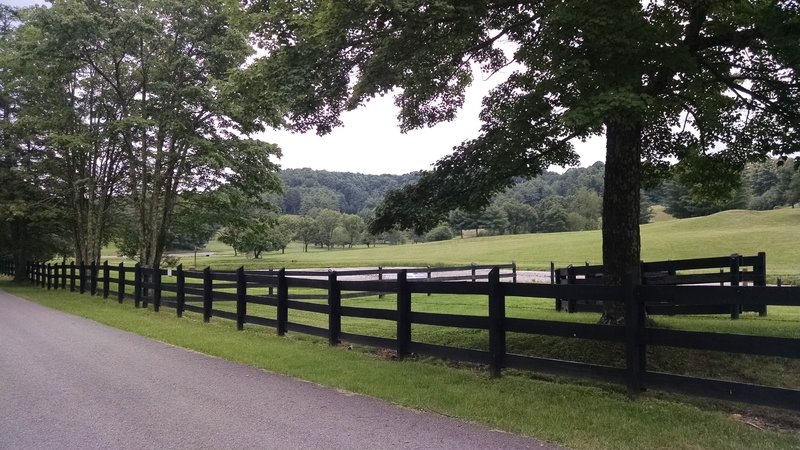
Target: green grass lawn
[660, 215]
[781, 322]
[743, 232]
[577, 415]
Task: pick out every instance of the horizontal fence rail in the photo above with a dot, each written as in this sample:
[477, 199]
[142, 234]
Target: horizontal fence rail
[205, 292]
[733, 270]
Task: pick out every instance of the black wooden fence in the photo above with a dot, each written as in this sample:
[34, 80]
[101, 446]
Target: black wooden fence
[200, 291]
[733, 270]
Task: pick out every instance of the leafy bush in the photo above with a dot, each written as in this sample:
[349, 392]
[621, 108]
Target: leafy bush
[440, 233]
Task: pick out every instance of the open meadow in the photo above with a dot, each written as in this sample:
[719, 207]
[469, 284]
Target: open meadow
[738, 231]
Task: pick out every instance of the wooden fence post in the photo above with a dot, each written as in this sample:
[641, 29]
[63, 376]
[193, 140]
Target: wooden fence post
[106, 278]
[156, 288]
[43, 274]
[429, 278]
[497, 330]
[208, 294]
[56, 277]
[635, 349]
[473, 271]
[283, 302]
[241, 298]
[145, 289]
[49, 276]
[271, 290]
[137, 285]
[72, 276]
[403, 314]
[121, 283]
[380, 278]
[555, 280]
[180, 291]
[514, 271]
[334, 309]
[63, 274]
[735, 276]
[82, 277]
[93, 278]
[571, 279]
[760, 270]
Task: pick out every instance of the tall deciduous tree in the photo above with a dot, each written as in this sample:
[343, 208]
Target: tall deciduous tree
[161, 73]
[712, 83]
[306, 231]
[30, 217]
[354, 227]
[327, 220]
[73, 114]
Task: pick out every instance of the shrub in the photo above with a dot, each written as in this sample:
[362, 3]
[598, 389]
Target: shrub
[440, 233]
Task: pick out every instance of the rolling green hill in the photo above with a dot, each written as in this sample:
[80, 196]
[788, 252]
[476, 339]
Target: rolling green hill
[737, 231]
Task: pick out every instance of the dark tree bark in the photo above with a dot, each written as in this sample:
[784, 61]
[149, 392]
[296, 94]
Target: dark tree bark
[621, 241]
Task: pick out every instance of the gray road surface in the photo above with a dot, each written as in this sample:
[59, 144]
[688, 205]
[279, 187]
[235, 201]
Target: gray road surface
[66, 382]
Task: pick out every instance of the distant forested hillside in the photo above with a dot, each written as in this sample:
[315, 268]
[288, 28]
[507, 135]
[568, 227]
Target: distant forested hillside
[570, 201]
[549, 202]
[347, 192]
[328, 209]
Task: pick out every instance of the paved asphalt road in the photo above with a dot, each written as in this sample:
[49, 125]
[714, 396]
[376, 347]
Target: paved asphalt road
[66, 382]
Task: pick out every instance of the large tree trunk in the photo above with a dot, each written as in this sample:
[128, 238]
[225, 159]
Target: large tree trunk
[621, 243]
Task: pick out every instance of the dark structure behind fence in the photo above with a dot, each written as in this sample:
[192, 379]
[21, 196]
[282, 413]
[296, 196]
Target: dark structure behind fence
[200, 291]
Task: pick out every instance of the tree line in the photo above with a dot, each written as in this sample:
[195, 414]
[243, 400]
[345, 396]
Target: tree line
[550, 202]
[762, 185]
[113, 115]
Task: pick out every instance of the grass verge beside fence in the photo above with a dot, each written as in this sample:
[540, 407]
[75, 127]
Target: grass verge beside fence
[574, 415]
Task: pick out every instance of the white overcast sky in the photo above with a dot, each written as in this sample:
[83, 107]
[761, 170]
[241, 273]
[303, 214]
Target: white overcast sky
[371, 142]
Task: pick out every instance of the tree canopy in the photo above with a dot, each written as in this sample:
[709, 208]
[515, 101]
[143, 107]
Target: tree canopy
[711, 83]
[132, 100]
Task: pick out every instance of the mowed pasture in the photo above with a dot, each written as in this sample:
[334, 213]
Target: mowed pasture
[770, 371]
[744, 232]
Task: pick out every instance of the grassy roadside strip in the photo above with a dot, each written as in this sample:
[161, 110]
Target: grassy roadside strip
[577, 416]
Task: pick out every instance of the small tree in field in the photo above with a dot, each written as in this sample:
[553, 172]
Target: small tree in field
[440, 233]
